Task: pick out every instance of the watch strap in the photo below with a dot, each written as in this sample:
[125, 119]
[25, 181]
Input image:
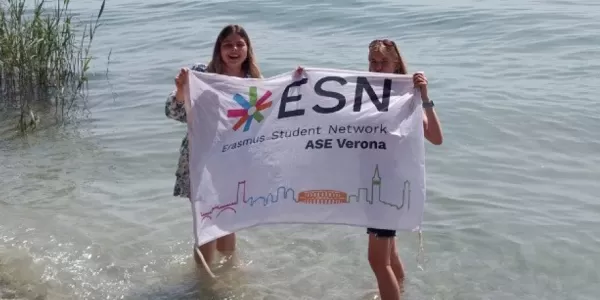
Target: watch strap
[428, 104]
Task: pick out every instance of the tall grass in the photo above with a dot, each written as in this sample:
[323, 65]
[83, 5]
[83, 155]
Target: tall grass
[42, 59]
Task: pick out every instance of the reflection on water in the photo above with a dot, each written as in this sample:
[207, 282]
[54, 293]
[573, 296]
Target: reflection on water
[20, 277]
[86, 210]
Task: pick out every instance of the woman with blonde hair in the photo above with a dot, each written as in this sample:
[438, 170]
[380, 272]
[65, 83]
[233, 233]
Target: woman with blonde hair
[384, 57]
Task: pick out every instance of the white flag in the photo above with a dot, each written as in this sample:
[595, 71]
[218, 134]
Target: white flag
[331, 147]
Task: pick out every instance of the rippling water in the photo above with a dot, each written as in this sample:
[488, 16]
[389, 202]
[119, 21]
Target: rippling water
[86, 212]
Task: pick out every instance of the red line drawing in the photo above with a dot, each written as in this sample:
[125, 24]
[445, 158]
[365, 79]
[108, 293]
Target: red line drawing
[241, 193]
[226, 208]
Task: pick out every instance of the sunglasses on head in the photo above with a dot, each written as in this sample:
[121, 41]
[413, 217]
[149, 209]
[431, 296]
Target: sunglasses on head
[386, 42]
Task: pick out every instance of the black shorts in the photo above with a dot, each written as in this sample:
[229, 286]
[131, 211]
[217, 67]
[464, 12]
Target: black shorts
[382, 233]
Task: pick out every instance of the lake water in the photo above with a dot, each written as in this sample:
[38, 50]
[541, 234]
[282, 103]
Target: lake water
[86, 211]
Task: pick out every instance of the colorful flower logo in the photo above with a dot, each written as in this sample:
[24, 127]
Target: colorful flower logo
[250, 109]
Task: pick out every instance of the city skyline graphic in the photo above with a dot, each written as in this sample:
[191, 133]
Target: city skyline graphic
[376, 180]
[282, 193]
[314, 197]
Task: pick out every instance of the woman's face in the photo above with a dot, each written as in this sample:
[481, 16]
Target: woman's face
[380, 62]
[234, 50]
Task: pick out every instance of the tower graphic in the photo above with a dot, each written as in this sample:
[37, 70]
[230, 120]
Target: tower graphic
[241, 191]
[375, 193]
[376, 186]
[406, 195]
[241, 194]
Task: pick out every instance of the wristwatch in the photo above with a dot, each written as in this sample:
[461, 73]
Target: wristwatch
[428, 104]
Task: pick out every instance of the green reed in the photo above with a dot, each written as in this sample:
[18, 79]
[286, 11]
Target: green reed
[44, 58]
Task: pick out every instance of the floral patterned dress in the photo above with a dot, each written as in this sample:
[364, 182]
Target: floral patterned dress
[176, 111]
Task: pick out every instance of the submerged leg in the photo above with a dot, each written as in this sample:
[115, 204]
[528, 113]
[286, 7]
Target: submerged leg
[379, 254]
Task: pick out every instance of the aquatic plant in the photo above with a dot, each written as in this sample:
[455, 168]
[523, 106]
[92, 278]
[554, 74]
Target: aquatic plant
[42, 61]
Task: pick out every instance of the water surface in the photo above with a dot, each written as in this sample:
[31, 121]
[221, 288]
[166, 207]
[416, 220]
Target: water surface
[512, 213]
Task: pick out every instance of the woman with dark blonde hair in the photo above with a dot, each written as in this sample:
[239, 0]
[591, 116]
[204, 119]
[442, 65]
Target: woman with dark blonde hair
[384, 57]
[233, 56]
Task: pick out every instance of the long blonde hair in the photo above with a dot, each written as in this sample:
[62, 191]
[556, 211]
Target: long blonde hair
[389, 48]
[249, 66]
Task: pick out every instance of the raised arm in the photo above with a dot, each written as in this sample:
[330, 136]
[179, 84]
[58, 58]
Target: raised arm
[174, 107]
[431, 123]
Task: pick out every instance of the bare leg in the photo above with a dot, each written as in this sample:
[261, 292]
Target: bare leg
[397, 265]
[208, 251]
[380, 260]
[203, 256]
[226, 244]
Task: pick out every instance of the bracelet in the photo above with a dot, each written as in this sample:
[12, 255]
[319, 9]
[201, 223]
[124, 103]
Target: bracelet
[428, 104]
